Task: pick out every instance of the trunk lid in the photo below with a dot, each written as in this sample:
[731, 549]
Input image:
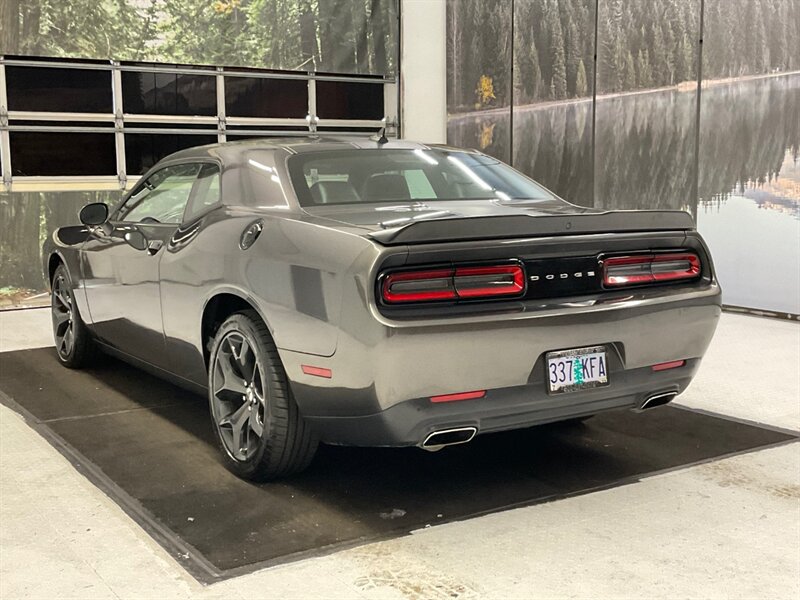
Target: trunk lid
[445, 221]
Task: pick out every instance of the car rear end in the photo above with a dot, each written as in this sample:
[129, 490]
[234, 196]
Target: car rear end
[529, 321]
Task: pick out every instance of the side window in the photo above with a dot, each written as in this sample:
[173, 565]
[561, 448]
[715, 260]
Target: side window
[162, 198]
[206, 191]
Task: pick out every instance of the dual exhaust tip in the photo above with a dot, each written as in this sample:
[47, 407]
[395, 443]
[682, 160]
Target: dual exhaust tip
[659, 399]
[461, 435]
[448, 437]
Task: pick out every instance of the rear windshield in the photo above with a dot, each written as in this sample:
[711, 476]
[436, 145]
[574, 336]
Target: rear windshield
[382, 175]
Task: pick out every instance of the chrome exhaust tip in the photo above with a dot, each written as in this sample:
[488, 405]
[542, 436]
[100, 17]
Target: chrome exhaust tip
[659, 399]
[448, 437]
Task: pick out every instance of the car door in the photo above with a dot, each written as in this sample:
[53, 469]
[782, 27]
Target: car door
[120, 263]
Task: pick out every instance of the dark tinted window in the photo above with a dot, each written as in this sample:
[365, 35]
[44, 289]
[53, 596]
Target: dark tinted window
[162, 198]
[59, 90]
[206, 191]
[346, 100]
[169, 94]
[351, 176]
[62, 153]
[267, 98]
[143, 150]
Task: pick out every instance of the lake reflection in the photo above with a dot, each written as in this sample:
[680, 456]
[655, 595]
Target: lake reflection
[754, 236]
[742, 188]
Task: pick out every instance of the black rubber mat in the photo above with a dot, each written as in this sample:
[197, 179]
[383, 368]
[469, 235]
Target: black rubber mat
[149, 446]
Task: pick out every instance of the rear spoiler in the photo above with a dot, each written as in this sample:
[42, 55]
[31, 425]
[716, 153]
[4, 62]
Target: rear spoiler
[523, 226]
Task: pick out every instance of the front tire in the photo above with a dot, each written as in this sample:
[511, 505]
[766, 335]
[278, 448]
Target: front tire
[74, 344]
[258, 426]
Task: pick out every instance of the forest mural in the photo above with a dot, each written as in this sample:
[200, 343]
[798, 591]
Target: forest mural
[642, 44]
[343, 36]
[339, 36]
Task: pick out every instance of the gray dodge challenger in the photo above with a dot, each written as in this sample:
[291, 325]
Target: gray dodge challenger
[379, 293]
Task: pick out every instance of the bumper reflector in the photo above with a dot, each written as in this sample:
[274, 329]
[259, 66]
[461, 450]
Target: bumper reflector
[673, 364]
[461, 396]
[317, 371]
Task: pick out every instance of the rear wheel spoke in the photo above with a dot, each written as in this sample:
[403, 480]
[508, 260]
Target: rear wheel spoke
[232, 383]
[238, 424]
[255, 424]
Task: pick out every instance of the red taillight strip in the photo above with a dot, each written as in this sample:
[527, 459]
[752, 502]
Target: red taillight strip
[461, 396]
[317, 371]
[649, 268]
[447, 292]
[659, 260]
[454, 283]
[516, 286]
[673, 364]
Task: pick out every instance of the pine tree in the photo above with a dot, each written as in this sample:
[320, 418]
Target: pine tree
[581, 84]
[643, 70]
[661, 69]
[629, 79]
[573, 49]
[558, 80]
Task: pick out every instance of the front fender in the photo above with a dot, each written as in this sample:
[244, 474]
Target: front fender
[64, 246]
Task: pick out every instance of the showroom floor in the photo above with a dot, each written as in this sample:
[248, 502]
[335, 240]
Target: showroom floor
[726, 528]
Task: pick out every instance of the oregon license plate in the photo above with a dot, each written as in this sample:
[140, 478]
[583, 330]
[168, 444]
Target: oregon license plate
[577, 369]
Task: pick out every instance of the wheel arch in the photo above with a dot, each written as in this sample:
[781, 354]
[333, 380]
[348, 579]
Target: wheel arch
[53, 261]
[218, 307]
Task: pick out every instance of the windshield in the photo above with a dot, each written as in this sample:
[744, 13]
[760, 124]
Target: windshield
[382, 175]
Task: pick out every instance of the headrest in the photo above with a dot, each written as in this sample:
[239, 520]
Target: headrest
[386, 186]
[333, 192]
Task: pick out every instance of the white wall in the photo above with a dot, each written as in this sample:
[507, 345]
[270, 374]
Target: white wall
[423, 70]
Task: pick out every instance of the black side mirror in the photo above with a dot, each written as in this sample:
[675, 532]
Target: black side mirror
[136, 239]
[94, 214]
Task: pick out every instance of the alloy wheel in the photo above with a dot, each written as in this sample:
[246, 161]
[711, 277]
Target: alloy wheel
[63, 317]
[238, 396]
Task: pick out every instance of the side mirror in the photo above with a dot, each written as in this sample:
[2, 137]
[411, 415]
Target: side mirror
[94, 214]
[136, 239]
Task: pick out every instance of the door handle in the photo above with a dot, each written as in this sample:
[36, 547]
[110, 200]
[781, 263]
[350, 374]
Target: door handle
[154, 246]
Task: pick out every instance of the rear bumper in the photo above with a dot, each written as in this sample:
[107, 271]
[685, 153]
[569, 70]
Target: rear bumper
[383, 373]
[409, 423]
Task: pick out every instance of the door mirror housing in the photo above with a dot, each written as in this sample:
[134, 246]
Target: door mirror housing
[94, 214]
[136, 239]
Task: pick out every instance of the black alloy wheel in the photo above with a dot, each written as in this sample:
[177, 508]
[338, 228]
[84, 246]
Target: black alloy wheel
[74, 344]
[238, 401]
[258, 426]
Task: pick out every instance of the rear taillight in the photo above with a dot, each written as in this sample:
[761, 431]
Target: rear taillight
[650, 268]
[419, 286]
[453, 284]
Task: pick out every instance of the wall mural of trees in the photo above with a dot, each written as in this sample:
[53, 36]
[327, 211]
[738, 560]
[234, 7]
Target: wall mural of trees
[27, 219]
[343, 36]
[644, 145]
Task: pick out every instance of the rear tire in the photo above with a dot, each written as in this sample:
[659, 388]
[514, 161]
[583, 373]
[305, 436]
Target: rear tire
[256, 421]
[74, 344]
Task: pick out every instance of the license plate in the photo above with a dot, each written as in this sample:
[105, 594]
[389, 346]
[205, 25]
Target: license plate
[577, 369]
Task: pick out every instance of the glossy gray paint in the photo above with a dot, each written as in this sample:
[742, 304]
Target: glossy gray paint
[311, 276]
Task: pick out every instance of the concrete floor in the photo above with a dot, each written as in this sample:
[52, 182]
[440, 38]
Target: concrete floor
[729, 528]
